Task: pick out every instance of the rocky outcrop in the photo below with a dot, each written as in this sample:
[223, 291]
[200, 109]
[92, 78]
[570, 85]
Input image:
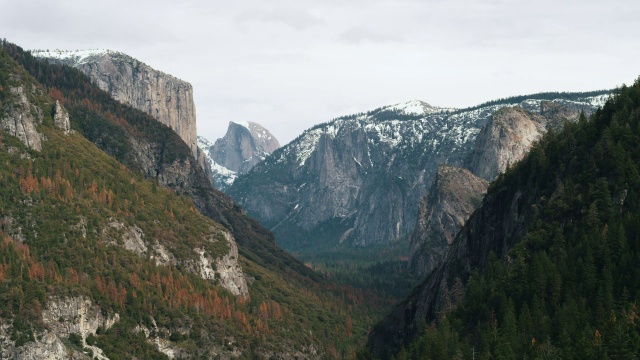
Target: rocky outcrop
[129, 237]
[130, 81]
[223, 268]
[505, 140]
[511, 132]
[243, 146]
[226, 269]
[61, 118]
[359, 179]
[20, 116]
[62, 317]
[455, 194]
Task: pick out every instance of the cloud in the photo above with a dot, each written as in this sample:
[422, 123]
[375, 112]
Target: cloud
[362, 34]
[294, 18]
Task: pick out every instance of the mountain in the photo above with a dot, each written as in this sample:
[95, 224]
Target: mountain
[115, 243]
[545, 267]
[242, 147]
[454, 195]
[502, 142]
[132, 82]
[359, 179]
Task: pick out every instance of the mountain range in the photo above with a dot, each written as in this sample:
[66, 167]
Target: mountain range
[520, 216]
[359, 179]
[545, 266]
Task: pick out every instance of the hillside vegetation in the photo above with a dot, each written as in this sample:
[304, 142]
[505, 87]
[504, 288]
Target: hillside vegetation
[67, 213]
[548, 266]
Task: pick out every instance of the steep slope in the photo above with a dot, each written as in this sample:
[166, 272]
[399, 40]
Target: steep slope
[311, 312]
[242, 147]
[502, 142]
[143, 144]
[132, 82]
[455, 194]
[536, 269]
[361, 177]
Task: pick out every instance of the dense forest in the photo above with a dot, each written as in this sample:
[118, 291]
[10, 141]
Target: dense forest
[567, 289]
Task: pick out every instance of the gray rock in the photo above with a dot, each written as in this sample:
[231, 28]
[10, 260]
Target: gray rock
[243, 146]
[360, 178]
[61, 118]
[130, 81]
[21, 117]
[62, 317]
[454, 195]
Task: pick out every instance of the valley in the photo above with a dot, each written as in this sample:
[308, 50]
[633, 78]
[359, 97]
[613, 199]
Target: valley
[503, 230]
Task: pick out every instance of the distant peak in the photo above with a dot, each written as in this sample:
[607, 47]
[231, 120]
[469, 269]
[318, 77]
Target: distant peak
[244, 124]
[415, 107]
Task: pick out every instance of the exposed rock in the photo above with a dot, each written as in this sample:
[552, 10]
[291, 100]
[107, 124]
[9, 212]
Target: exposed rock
[130, 237]
[359, 178]
[163, 345]
[47, 346]
[454, 195]
[20, 118]
[62, 317]
[130, 81]
[243, 146]
[61, 118]
[495, 227]
[505, 140]
[511, 132]
[226, 268]
[162, 256]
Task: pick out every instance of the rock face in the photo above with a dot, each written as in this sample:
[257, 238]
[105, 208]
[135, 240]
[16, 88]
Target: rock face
[61, 118]
[224, 268]
[455, 194]
[20, 117]
[361, 177]
[62, 317]
[499, 222]
[505, 140]
[243, 146]
[130, 81]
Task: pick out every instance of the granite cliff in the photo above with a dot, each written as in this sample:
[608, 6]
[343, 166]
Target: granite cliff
[132, 82]
[453, 197]
[502, 142]
[360, 178]
[243, 146]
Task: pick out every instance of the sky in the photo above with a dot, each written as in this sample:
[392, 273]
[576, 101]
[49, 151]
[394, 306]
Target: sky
[291, 64]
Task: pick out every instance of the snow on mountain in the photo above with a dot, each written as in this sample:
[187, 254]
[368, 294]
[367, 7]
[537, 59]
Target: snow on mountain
[244, 145]
[77, 56]
[221, 174]
[367, 172]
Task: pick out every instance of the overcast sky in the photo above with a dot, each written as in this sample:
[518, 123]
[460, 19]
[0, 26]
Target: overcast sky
[291, 64]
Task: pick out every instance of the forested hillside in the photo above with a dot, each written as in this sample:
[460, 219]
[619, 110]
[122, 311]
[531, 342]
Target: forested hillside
[548, 266]
[100, 260]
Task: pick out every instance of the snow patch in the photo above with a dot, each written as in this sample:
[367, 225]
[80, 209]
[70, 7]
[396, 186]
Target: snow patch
[77, 56]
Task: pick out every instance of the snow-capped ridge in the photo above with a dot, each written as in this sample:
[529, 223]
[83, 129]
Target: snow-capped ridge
[77, 58]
